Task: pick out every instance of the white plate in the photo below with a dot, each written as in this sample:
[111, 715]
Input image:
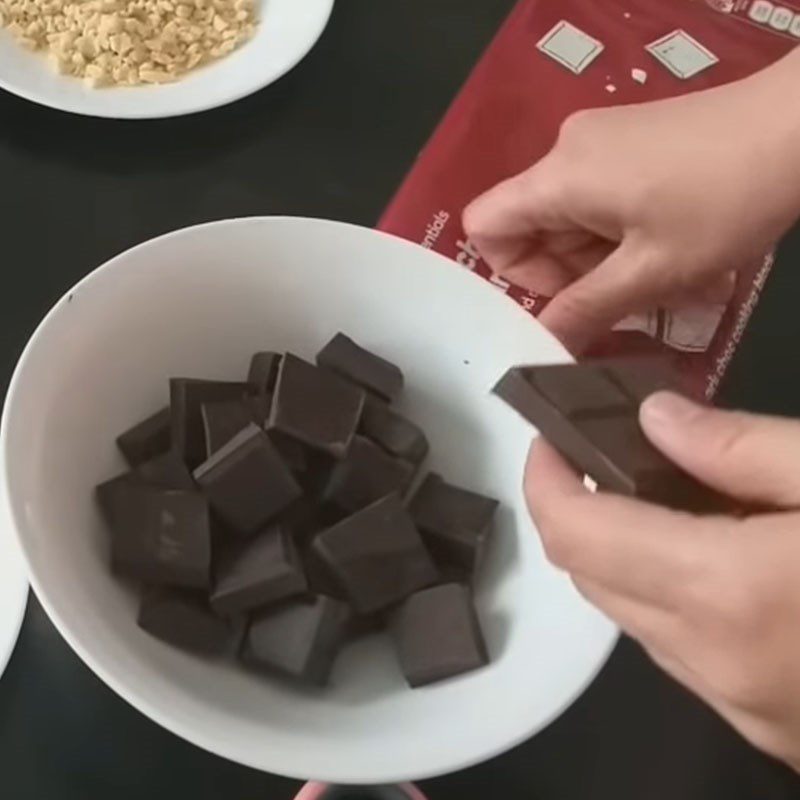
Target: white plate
[198, 302]
[13, 586]
[287, 31]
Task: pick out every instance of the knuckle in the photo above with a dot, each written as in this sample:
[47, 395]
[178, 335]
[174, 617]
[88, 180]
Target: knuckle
[729, 436]
[472, 219]
[730, 606]
[739, 681]
[573, 126]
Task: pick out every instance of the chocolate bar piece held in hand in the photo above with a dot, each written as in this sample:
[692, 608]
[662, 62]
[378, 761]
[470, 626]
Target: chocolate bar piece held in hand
[247, 482]
[358, 365]
[299, 638]
[148, 439]
[315, 406]
[437, 635]
[261, 571]
[376, 556]
[183, 619]
[158, 536]
[455, 523]
[590, 412]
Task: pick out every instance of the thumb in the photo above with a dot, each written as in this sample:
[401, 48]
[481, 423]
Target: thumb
[747, 456]
[621, 284]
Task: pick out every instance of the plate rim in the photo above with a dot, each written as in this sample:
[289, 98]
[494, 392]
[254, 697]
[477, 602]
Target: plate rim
[10, 548]
[189, 109]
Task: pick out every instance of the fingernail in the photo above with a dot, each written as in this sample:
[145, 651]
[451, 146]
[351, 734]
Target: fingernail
[667, 409]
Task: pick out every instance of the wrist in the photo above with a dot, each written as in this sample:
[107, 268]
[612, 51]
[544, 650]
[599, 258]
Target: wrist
[770, 112]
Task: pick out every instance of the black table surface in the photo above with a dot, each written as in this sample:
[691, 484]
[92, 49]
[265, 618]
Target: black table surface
[332, 139]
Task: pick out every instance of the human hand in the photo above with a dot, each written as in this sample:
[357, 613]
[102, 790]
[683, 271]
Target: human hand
[714, 600]
[639, 206]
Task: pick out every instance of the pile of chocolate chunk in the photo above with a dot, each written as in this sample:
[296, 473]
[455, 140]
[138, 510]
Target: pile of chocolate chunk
[273, 519]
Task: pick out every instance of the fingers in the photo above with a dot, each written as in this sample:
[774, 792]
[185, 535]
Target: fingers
[640, 620]
[639, 551]
[752, 457]
[625, 282]
[538, 272]
[505, 222]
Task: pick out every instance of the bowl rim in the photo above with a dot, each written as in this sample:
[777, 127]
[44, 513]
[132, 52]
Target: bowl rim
[159, 714]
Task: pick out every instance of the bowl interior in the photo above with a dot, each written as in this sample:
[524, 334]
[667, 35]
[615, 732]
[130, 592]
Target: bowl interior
[198, 303]
[287, 31]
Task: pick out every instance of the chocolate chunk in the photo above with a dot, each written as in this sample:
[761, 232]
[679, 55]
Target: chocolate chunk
[292, 452]
[437, 635]
[375, 556]
[376, 374]
[456, 524]
[315, 406]
[259, 406]
[246, 481]
[299, 638]
[590, 413]
[320, 580]
[394, 433]
[364, 475]
[222, 420]
[264, 371]
[167, 471]
[305, 518]
[261, 571]
[187, 396]
[149, 438]
[184, 619]
[158, 536]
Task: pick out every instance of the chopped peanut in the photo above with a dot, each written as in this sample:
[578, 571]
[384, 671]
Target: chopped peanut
[129, 42]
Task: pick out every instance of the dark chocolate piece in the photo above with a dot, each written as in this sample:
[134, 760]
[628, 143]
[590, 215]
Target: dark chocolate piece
[247, 482]
[437, 635]
[148, 439]
[292, 452]
[261, 571]
[259, 406]
[167, 471]
[353, 362]
[376, 556]
[299, 638]
[320, 580]
[222, 420]
[264, 371]
[456, 524]
[366, 474]
[590, 413]
[315, 406]
[158, 536]
[187, 396]
[393, 432]
[184, 619]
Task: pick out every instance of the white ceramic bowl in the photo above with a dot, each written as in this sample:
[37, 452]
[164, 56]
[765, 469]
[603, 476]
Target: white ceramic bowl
[287, 31]
[197, 303]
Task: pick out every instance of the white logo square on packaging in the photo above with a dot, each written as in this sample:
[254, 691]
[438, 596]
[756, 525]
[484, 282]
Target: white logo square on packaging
[570, 46]
[794, 28]
[781, 19]
[681, 54]
[761, 11]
